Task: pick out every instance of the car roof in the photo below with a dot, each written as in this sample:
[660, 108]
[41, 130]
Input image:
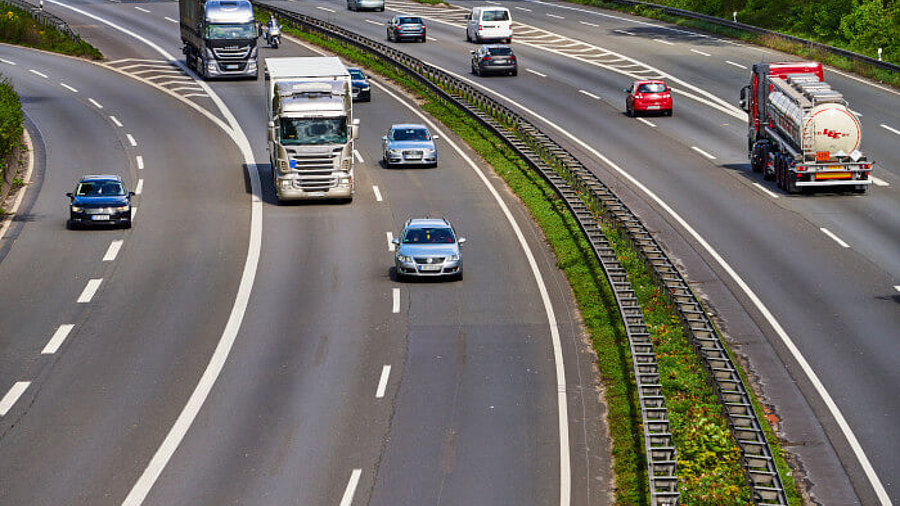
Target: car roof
[408, 125]
[100, 177]
[650, 81]
[426, 222]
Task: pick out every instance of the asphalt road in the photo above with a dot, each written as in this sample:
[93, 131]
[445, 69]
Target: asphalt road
[824, 265]
[469, 411]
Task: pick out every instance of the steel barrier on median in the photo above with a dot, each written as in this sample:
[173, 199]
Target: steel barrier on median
[593, 204]
[43, 17]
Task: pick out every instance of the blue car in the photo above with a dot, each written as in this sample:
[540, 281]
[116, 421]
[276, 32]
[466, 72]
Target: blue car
[100, 200]
[428, 247]
[409, 144]
[361, 91]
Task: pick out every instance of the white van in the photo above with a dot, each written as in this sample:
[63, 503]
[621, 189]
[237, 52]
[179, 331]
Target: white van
[489, 23]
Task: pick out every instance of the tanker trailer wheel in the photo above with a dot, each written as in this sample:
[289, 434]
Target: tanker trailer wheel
[779, 171]
[790, 179]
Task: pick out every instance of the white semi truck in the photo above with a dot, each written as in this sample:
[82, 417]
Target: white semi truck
[801, 132]
[219, 37]
[311, 127]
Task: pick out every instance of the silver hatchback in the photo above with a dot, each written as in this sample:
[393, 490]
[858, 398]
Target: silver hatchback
[428, 247]
[409, 144]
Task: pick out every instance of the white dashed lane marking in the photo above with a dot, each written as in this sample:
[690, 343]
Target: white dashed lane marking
[131, 140]
[139, 188]
[373, 22]
[66, 86]
[89, 290]
[765, 190]
[113, 251]
[396, 308]
[58, 338]
[585, 92]
[704, 153]
[523, 9]
[115, 121]
[535, 72]
[878, 181]
[555, 16]
[390, 241]
[738, 65]
[377, 192]
[140, 162]
[98, 105]
[700, 52]
[8, 62]
[170, 20]
[358, 156]
[834, 238]
[661, 41]
[12, 396]
[382, 382]
[326, 9]
[350, 491]
[890, 129]
[647, 122]
[40, 74]
[595, 25]
[142, 10]
[623, 32]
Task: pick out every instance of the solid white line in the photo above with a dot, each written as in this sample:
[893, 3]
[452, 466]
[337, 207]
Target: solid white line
[522, 9]
[373, 22]
[766, 190]
[96, 104]
[595, 25]
[700, 52]
[704, 153]
[377, 193]
[738, 65]
[35, 72]
[113, 251]
[17, 202]
[835, 238]
[396, 307]
[647, 122]
[140, 162]
[350, 491]
[8, 62]
[878, 181]
[565, 464]
[242, 298]
[116, 121]
[382, 383]
[12, 396]
[58, 338]
[89, 290]
[585, 92]
[664, 42]
[324, 8]
[390, 241]
[131, 139]
[535, 72]
[142, 9]
[170, 20]
[890, 129]
[358, 156]
[139, 188]
[555, 16]
[66, 86]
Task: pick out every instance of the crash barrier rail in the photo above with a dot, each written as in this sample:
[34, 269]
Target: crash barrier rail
[593, 204]
[43, 17]
[762, 31]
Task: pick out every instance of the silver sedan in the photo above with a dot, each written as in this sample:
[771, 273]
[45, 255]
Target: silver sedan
[409, 144]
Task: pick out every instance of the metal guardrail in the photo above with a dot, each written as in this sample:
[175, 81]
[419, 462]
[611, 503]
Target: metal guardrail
[762, 31]
[43, 17]
[593, 203]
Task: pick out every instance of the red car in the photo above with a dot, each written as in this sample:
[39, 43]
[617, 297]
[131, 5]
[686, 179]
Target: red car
[648, 96]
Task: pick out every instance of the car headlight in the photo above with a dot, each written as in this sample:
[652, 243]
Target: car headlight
[120, 209]
[403, 259]
[76, 209]
[394, 152]
[453, 258]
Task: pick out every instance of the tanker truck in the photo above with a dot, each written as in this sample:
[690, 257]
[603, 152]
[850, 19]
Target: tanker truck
[801, 132]
[311, 128]
[219, 37]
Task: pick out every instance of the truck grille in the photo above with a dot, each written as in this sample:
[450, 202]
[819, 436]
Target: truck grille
[232, 52]
[316, 170]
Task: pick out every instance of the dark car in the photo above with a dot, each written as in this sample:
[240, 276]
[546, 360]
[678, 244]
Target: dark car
[406, 28]
[494, 59]
[648, 96]
[428, 247]
[100, 200]
[361, 92]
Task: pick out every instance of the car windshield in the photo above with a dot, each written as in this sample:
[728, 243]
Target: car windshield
[499, 15]
[652, 88]
[410, 134]
[440, 235]
[356, 74]
[236, 31]
[410, 21]
[100, 189]
[296, 131]
[500, 51]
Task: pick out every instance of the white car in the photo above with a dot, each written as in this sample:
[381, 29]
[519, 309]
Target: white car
[489, 23]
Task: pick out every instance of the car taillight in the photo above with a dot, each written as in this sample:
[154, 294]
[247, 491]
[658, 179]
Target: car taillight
[801, 168]
[512, 57]
[486, 58]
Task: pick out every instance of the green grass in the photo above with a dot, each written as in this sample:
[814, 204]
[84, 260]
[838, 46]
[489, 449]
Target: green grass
[11, 122]
[19, 27]
[709, 459]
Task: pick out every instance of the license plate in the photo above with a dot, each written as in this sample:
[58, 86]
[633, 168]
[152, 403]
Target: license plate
[100, 217]
[315, 194]
[413, 156]
[430, 267]
[652, 107]
[231, 67]
[500, 60]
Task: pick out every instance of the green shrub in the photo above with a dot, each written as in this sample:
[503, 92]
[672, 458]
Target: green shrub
[10, 118]
[18, 27]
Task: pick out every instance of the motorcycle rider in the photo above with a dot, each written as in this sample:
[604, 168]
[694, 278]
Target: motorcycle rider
[272, 32]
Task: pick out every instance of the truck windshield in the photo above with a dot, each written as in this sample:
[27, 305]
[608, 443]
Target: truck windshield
[296, 131]
[239, 31]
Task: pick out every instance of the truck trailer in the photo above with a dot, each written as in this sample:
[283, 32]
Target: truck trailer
[219, 37]
[311, 128]
[800, 131]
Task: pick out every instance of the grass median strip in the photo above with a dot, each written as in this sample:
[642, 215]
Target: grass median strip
[18, 27]
[710, 470]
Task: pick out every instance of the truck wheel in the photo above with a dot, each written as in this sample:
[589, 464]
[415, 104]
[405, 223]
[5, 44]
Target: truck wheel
[790, 180]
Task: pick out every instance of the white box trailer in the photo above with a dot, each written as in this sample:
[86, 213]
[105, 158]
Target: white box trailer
[311, 128]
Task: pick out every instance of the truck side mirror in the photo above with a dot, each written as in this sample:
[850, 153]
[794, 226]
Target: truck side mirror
[743, 101]
[271, 126]
[354, 128]
[461, 241]
[69, 195]
[435, 137]
[395, 240]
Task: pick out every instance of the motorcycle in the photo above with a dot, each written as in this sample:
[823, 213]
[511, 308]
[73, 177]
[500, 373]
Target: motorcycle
[273, 36]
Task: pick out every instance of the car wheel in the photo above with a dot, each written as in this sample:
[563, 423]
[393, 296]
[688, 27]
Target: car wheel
[71, 225]
[127, 224]
[458, 276]
[629, 111]
[422, 40]
[514, 73]
[669, 112]
[387, 164]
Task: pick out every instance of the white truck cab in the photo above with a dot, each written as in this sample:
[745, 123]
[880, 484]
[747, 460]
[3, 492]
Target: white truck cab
[489, 23]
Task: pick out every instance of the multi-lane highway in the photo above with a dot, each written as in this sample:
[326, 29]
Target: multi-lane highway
[323, 380]
[238, 351]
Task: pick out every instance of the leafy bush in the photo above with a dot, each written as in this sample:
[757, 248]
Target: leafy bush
[18, 27]
[10, 118]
